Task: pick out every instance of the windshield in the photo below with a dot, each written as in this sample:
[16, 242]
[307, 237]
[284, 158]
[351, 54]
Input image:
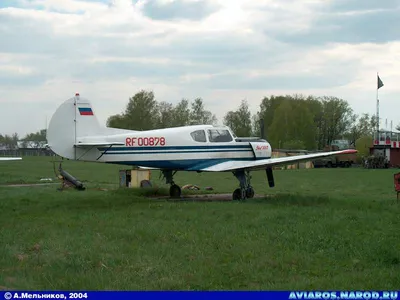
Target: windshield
[232, 132]
[219, 135]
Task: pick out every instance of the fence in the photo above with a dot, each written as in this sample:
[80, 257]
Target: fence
[27, 152]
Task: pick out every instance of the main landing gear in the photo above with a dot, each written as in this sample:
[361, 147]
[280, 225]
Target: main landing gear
[246, 190]
[174, 190]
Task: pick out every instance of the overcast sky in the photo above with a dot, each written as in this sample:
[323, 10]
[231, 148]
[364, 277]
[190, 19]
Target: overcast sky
[220, 50]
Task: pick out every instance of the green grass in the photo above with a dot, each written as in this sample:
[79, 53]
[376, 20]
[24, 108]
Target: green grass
[324, 229]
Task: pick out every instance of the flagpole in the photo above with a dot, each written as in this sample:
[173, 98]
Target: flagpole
[377, 107]
[379, 85]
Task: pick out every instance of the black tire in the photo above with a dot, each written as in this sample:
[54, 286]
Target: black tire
[250, 192]
[237, 194]
[175, 191]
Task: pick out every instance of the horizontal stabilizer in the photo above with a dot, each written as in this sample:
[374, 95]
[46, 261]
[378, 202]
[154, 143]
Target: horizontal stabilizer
[99, 144]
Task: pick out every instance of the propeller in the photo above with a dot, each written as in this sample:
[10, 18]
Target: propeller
[262, 131]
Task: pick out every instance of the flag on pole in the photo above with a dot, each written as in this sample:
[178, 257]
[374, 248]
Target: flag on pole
[380, 83]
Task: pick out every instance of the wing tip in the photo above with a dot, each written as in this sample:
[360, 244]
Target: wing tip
[349, 151]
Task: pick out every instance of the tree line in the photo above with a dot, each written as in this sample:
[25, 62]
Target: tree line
[290, 121]
[10, 142]
[144, 112]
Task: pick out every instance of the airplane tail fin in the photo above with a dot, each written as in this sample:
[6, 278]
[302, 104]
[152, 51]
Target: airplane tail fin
[73, 119]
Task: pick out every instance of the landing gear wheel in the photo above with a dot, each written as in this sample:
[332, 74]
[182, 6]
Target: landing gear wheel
[175, 191]
[250, 192]
[237, 194]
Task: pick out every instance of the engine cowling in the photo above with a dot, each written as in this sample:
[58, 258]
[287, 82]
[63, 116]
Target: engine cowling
[261, 150]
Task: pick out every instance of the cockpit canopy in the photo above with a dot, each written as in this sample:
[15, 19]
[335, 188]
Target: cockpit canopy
[199, 136]
[214, 135]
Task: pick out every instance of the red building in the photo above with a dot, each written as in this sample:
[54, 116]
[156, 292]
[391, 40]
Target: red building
[387, 144]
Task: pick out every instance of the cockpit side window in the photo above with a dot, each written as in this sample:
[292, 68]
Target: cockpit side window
[219, 135]
[199, 136]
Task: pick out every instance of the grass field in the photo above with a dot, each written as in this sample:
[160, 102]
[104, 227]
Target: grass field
[324, 229]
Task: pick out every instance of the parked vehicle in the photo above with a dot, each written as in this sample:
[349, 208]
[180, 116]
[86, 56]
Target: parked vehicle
[344, 161]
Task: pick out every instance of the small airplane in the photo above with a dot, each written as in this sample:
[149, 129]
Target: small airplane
[75, 133]
[10, 158]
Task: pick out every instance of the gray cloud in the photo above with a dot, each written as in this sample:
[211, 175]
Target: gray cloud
[223, 59]
[372, 27]
[284, 82]
[123, 70]
[70, 54]
[179, 9]
[22, 80]
[21, 35]
[360, 5]
[210, 54]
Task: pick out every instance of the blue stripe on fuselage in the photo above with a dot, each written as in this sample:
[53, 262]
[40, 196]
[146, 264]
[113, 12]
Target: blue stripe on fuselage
[209, 147]
[172, 152]
[184, 164]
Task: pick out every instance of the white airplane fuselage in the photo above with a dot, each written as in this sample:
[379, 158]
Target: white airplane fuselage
[75, 133]
[180, 148]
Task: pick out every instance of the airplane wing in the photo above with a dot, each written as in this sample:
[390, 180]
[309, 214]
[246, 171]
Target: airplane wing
[10, 158]
[265, 163]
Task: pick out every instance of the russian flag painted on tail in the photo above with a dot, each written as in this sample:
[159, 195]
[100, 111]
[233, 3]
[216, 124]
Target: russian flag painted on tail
[85, 111]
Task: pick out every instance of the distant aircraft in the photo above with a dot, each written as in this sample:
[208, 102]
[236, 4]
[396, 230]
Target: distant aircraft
[75, 133]
[10, 158]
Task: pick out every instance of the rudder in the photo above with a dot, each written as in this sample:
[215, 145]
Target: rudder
[74, 118]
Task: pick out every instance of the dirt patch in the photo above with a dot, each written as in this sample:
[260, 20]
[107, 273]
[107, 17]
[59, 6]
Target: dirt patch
[27, 184]
[205, 197]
